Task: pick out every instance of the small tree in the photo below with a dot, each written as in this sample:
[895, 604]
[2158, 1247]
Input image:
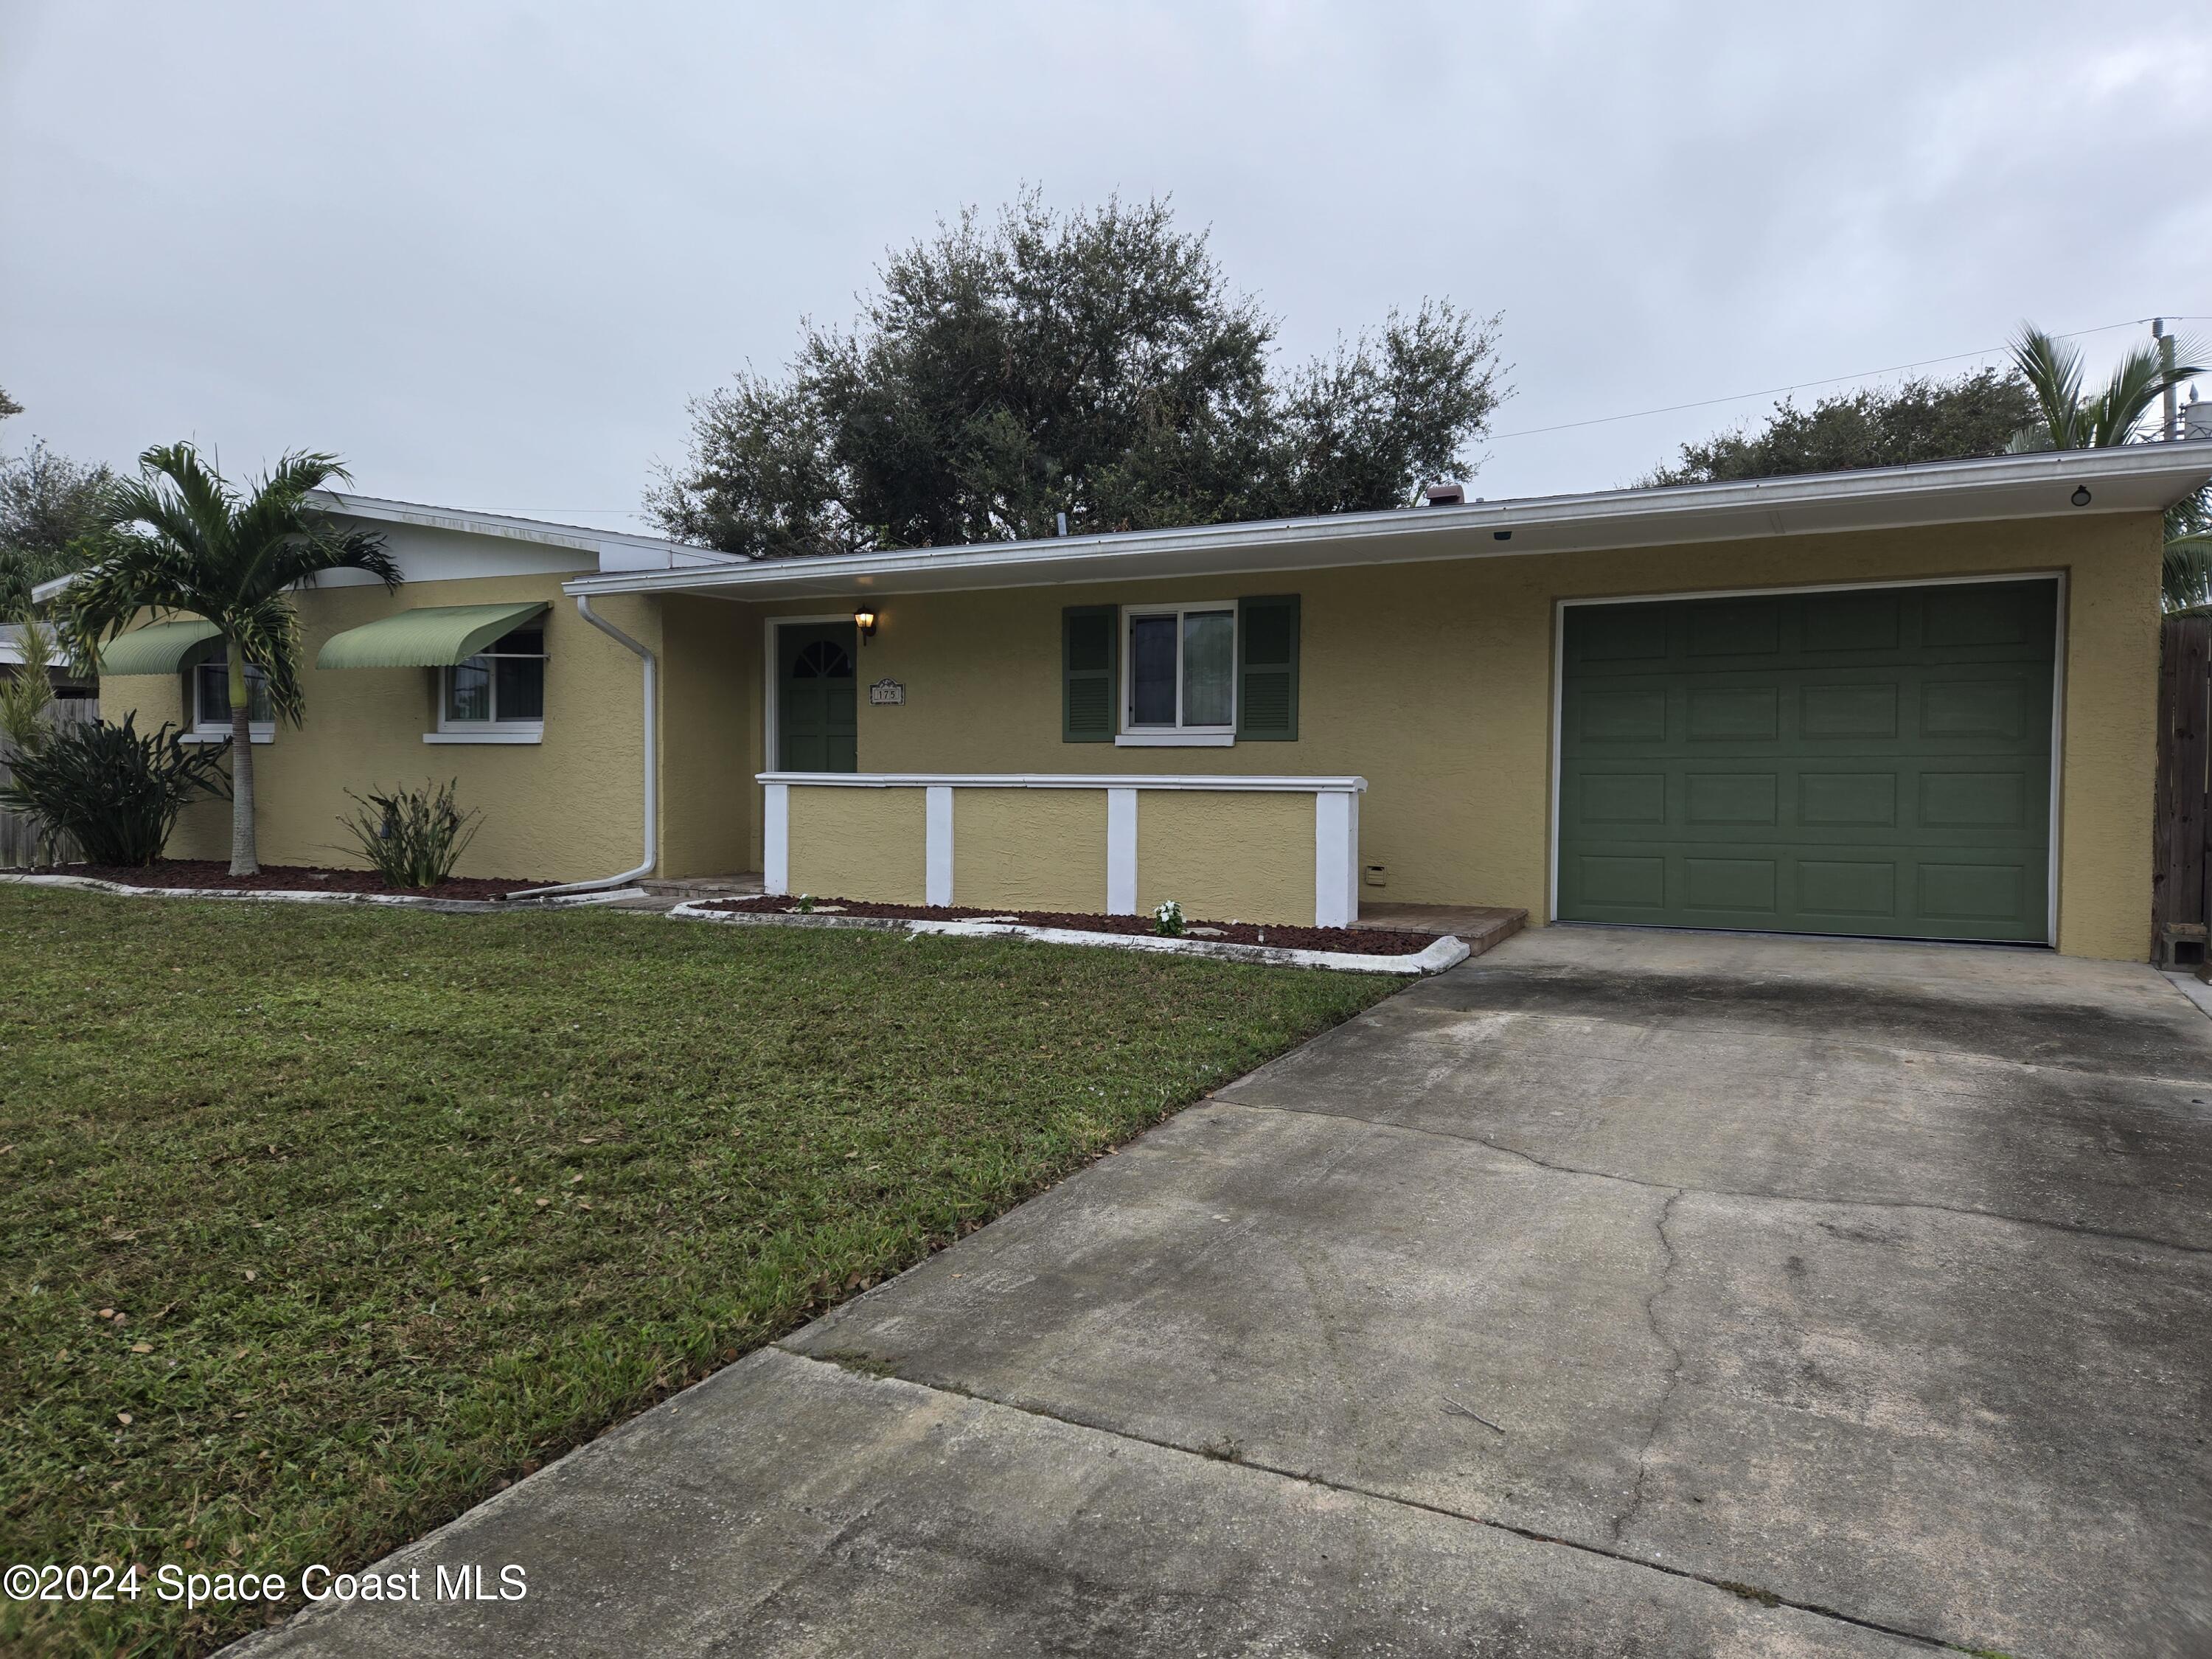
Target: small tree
[193, 545]
[53, 511]
[25, 725]
[1096, 365]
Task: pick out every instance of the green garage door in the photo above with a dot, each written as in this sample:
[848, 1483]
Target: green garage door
[1874, 761]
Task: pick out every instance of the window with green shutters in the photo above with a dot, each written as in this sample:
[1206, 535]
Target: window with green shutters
[1268, 668]
[1087, 659]
[1153, 672]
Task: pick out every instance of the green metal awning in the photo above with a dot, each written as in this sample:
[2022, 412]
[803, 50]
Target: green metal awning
[434, 636]
[157, 649]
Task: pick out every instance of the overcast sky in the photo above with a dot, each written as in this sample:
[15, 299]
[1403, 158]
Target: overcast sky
[487, 250]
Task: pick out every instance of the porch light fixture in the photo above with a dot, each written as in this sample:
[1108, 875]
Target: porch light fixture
[2081, 496]
[864, 620]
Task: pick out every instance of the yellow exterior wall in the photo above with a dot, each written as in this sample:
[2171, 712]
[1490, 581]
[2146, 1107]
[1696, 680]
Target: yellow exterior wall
[1433, 681]
[709, 717]
[1226, 856]
[857, 843]
[1029, 849]
[564, 809]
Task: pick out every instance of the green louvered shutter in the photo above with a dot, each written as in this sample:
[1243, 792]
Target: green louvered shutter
[1268, 668]
[1086, 670]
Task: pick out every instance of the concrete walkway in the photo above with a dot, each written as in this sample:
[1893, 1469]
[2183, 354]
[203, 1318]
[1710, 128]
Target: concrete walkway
[1820, 1299]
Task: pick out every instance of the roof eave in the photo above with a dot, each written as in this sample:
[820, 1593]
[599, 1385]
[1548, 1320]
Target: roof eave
[2143, 477]
[602, 544]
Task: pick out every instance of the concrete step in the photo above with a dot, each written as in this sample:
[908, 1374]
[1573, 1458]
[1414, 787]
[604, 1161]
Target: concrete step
[740, 886]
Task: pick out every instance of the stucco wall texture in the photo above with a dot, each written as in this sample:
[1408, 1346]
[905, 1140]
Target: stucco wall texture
[857, 843]
[1434, 681]
[1029, 849]
[570, 808]
[1226, 856]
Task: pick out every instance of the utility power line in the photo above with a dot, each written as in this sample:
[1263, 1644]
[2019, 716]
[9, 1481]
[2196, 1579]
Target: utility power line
[1806, 386]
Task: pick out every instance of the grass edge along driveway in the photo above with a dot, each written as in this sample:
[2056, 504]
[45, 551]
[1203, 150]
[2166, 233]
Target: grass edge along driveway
[324, 1225]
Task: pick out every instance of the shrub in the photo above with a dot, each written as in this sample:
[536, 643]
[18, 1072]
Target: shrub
[115, 793]
[411, 837]
[25, 725]
[1167, 918]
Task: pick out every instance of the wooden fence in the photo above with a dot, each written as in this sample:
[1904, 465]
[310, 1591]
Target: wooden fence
[2180, 849]
[18, 840]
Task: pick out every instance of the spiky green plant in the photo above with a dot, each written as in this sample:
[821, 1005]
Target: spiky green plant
[192, 544]
[411, 837]
[115, 794]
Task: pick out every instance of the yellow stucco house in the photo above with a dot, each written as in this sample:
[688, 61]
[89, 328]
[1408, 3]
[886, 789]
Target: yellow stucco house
[1916, 702]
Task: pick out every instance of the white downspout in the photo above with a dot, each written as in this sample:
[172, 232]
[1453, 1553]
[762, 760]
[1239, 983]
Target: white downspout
[652, 765]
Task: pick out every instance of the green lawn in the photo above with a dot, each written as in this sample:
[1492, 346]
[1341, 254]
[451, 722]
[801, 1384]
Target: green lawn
[393, 1206]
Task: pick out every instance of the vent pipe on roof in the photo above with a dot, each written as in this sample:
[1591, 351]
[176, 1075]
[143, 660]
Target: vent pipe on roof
[1446, 494]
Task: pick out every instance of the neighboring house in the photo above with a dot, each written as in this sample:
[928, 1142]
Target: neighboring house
[1915, 702]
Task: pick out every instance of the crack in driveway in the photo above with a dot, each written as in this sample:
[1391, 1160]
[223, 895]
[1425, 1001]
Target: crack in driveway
[1673, 1363]
[1763, 1196]
[867, 1366]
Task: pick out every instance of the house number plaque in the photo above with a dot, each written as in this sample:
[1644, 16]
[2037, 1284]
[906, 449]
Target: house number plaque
[887, 692]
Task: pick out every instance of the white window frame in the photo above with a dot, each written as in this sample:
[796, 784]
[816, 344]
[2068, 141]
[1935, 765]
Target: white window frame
[199, 729]
[493, 730]
[1128, 734]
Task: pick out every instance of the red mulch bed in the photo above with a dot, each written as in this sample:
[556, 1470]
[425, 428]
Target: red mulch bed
[1365, 941]
[281, 877]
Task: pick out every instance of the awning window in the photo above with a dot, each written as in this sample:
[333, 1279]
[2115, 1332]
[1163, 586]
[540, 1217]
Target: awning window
[433, 637]
[159, 648]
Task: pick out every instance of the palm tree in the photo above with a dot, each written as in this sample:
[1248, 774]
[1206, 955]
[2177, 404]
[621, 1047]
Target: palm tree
[2111, 417]
[192, 544]
[2187, 578]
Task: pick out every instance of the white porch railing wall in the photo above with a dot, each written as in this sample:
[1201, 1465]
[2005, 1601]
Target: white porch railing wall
[1336, 825]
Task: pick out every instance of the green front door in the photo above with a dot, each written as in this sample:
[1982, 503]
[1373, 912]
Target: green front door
[817, 713]
[1874, 761]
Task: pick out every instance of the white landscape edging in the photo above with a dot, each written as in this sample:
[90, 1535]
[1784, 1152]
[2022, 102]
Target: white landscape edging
[1448, 951]
[311, 895]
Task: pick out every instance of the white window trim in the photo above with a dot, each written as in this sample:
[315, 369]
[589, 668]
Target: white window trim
[1153, 737]
[1129, 735]
[490, 730]
[254, 733]
[463, 732]
[202, 730]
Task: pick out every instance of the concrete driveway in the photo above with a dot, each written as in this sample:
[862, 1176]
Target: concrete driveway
[1820, 1299]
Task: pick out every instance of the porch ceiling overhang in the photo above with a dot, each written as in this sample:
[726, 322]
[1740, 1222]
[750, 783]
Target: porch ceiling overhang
[157, 649]
[2136, 478]
[432, 637]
